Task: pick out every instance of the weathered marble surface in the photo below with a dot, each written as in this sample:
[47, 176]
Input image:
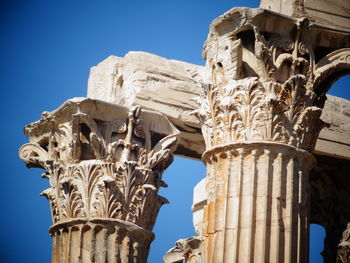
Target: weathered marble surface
[330, 193]
[260, 116]
[156, 83]
[327, 12]
[131, 80]
[185, 251]
[261, 96]
[104, 163]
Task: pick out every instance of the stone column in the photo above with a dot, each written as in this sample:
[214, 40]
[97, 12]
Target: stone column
[104, 163]
[260, 119]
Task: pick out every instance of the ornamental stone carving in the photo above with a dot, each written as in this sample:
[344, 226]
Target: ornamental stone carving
[265, 85]
[104, 163]
[263, 91]
[260, 116]
[186, 251]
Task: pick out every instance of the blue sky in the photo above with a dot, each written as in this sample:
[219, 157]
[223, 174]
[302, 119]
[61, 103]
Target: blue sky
[47, 48]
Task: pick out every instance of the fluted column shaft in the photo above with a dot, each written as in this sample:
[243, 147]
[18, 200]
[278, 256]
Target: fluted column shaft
[100, 241]
[258, 203]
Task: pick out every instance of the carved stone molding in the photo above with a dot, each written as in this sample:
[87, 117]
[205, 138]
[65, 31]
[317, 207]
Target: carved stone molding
[260, 115]
[186, 251]
[104, 163]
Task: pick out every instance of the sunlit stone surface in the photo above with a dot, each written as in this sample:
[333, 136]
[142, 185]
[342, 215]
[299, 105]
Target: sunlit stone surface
[104, 163]
[255, 113]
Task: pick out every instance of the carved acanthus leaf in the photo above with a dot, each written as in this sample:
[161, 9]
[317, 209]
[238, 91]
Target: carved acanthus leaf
[108, 199]
[50, 194]
[250, 109]
[161, 153]
[72, 205]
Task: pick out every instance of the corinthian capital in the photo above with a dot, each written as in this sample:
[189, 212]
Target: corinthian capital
[268, 77]
[104, 162]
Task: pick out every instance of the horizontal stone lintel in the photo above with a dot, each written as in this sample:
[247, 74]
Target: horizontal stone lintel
[169, 86]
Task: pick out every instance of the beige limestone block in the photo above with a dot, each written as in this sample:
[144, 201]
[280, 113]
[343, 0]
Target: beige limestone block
[176, 99]
[335, 139]
[199, 201]
[163, 85]
[334, 13]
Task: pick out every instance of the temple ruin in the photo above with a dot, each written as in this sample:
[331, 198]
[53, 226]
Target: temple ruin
[276, 146]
